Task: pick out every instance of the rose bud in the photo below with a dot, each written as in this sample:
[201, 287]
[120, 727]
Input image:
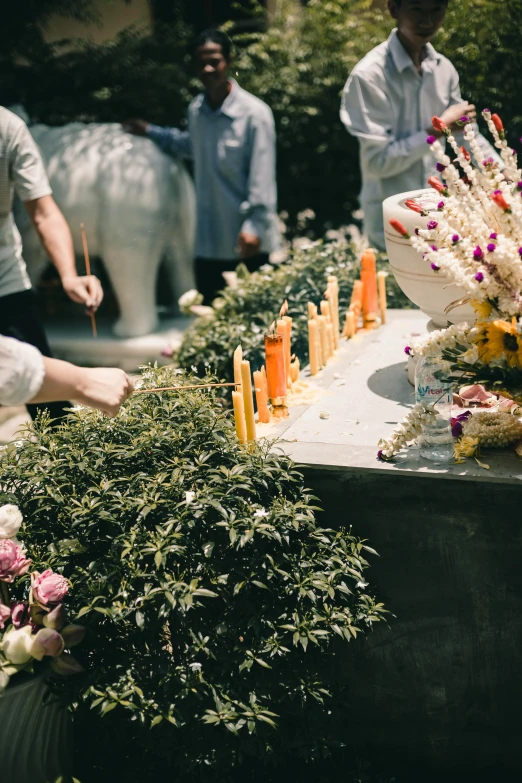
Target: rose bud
[48, 587]
[47, 642]
[5, 614]
[411, 204]
[66, 665]
[399, 228]
[465, 154]
[438, 125]
[10, 520]
[19, 614]
[13, 562]
[55, 619]
[436, 184]
[73, 635]
[16, 645]
[497, 122]
[500, 201]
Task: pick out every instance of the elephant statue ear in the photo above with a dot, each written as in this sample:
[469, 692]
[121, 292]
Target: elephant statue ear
[20, 111]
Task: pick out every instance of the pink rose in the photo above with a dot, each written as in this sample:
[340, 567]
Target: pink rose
[19, 614]
[13, 562]
[48, 587]
[5, 614]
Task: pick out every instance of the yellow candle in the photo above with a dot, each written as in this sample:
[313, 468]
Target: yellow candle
[248, 401]
[238, 358]
[288, 347]
[294, 369]
[325, 353]
[313, 328]
[325, 309]
[239, 416]
[331, 339]
[263, 414]
[356, 301]
[312, 310]
[381, 283]
[349, 326]
[321, 361]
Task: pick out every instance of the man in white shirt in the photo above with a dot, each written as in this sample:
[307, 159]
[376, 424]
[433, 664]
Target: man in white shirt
[388, 103]
[22, 171]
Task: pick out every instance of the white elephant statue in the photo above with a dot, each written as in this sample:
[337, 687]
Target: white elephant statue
[138, 207]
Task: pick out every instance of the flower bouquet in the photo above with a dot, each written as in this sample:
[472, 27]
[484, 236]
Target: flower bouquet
[474, 236]
[33, 625]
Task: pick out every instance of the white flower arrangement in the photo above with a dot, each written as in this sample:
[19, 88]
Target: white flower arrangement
[407, 431]
[188, 300]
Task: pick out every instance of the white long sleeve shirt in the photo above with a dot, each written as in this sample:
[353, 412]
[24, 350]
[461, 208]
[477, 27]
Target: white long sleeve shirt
[233, 148]
[388, 105]
[22, 371]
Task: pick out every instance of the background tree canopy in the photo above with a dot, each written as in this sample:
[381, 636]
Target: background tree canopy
[298, 64]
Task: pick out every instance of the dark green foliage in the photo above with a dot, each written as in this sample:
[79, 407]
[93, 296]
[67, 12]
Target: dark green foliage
[215, 618]
[245, 313]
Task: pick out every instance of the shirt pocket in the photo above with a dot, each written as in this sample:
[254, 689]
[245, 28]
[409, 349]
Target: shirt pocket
[231, 153]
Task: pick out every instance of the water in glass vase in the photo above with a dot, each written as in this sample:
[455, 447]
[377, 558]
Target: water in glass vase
[436, 441]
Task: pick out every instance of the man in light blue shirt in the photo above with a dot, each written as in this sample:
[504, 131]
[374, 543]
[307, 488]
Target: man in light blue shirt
[231, 138]
[388, 103]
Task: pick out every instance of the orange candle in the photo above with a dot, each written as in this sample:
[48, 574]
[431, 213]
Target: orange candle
[370, 302]
[283, 330]
[356, 301]
[381, 284]
[275, 368]
[263, 414]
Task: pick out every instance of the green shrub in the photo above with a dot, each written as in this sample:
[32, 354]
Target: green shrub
[245, 313]
[212, 596]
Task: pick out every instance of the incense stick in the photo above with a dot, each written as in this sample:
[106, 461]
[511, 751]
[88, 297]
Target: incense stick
[178, 388]
[88, 272]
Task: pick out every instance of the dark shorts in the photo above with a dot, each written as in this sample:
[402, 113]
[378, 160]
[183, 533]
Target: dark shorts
[209, 273]
[20, 318]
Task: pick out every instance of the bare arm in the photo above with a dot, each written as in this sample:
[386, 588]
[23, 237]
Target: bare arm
[56, 239]
[99, 387]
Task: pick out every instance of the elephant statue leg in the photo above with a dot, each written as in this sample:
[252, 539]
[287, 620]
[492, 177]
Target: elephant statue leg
[133, 270]
[179, 249]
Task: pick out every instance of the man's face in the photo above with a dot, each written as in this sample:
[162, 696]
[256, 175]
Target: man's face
[211, 66]
[418, 20]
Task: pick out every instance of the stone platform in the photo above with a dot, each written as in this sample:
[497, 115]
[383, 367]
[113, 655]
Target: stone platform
[439, 688]
[74, 342]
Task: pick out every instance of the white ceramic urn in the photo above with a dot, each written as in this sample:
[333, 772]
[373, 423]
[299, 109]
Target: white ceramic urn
[429, 290]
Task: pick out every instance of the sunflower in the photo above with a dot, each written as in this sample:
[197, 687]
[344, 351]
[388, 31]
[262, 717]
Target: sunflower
[503, 342]
[482, 309]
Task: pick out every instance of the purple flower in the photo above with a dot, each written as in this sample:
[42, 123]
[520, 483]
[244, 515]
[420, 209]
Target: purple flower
[416, 232]
[440, 205]
[408, 351]
[432, 224]
[455, 238]
[434, 248]
[457, 423]
[491, 247]
[520, 251]
[497, 192]
[464, 119]
[477, 253]
[435, 267]
[493, 235]
[488, 162]
[430, 140]
[486, 111]
[440, 167]
[380, 455]
[519, 185]
[479, 277]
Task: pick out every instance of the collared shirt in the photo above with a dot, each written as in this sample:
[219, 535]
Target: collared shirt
[21, 171]
[233, 148]
[388, 105]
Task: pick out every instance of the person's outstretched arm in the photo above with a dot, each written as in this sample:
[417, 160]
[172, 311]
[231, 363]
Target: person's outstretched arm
[27, 376]
[172, 141]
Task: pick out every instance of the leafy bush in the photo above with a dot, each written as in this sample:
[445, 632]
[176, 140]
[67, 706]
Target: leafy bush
[245, 313]
[212, 596]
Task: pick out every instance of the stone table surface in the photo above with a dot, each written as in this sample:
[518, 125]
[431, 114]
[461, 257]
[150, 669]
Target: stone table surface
[365, 393]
